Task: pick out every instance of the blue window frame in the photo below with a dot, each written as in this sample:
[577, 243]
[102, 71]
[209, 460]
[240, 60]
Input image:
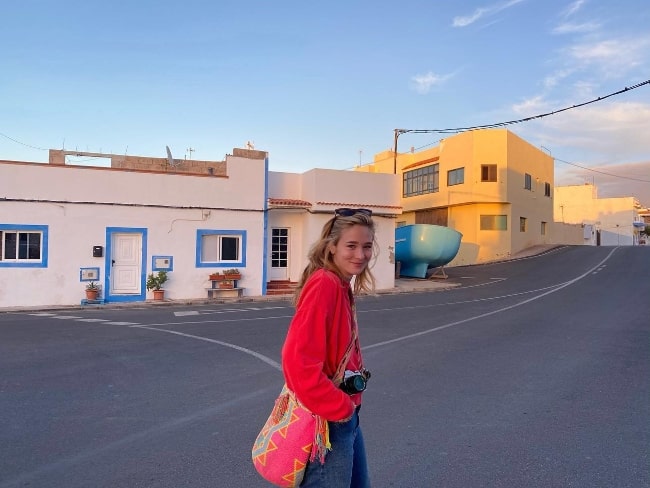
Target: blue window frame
[23, 246]
[220, 248]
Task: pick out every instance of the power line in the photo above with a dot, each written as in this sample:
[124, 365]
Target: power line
[399, 132]
[518, 121]
[602, 172]
[22, 143]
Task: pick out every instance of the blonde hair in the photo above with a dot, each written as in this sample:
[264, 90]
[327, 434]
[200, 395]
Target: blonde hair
[320, 256]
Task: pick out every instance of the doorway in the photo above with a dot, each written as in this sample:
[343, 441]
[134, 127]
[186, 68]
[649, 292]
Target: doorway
[125, 258]
[279, 254]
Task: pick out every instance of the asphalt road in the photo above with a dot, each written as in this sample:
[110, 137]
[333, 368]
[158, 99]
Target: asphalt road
[532, 373]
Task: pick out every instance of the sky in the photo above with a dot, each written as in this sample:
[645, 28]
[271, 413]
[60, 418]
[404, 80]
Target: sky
[324, 85]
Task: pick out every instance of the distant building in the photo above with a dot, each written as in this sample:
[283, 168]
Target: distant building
[490, 185]
[605, 221]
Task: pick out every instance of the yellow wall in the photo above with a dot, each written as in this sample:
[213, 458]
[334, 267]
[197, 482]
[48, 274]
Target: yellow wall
[466, 202]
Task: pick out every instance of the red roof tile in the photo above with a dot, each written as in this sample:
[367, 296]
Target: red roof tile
[358, 205]
[288, 202]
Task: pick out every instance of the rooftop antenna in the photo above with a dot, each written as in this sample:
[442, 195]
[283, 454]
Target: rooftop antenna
[171, 161]
[250, 145]
[190, 150]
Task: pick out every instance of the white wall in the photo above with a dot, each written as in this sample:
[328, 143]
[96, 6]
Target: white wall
[612, 217]
[327, 190]
[78, 204]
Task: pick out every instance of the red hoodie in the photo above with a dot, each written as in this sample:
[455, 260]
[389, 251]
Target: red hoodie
[318, 337]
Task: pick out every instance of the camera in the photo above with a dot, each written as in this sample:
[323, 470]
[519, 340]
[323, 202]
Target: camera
[355, 381]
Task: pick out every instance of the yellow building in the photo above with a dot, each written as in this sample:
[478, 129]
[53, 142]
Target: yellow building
[490, 185]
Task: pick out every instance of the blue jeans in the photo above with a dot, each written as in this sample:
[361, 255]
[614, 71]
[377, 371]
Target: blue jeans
[345, 465]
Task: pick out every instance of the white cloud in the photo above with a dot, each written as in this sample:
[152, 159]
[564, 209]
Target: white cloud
[573, 8]
[612, 57]
[611, 133]
[570, 28]
[423, 83]
[464, 21]
[553, 79]
[530, 107]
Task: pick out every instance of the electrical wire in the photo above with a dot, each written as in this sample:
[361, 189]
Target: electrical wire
[509, 122]
[602, 172]
[518, 121]
[22, 143]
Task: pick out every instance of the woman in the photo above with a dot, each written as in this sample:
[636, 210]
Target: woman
[321, 333]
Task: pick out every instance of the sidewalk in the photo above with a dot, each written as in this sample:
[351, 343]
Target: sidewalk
[402, 285]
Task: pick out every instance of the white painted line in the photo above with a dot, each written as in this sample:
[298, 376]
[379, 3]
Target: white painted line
[65, 317]
[131, 324]
[257, 355]
[212, 321]
[494, 312]
[183, 314]
[92, 320]
[482, 284]
[461, 302]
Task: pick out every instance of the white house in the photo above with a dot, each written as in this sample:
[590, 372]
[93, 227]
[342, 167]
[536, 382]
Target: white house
[605, 221]
[63, 225]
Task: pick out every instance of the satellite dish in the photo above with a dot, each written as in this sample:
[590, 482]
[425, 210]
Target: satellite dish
[171, 161]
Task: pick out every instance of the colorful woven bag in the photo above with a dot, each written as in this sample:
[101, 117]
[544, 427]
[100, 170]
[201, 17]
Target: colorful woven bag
[290, 438]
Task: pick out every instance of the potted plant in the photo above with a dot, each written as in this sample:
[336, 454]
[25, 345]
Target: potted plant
[92, 290]
[232, 274]
[226, 284]
[155, 283]
[215, 276]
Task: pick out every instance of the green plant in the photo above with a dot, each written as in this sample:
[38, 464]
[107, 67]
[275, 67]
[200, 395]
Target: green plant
[156, 281]
[92, 286]
[231, 271]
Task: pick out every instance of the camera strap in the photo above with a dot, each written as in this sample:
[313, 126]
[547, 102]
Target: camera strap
[354, 342]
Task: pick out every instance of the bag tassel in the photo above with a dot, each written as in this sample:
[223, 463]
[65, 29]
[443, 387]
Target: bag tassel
[321, 441]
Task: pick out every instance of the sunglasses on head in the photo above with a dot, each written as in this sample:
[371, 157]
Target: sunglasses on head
[349, 212]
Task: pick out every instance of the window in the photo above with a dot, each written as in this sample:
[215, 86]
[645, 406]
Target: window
[488, 172]
[523, 224]
[279, 248]
[494, 222]
[543, 228]
[421, 180]
[456, 176]
[547, 189]
[23, 245]
[528, 182]
[226, 248]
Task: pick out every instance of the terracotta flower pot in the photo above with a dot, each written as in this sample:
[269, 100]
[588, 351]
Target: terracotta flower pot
[158, 294]
[91, 294]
